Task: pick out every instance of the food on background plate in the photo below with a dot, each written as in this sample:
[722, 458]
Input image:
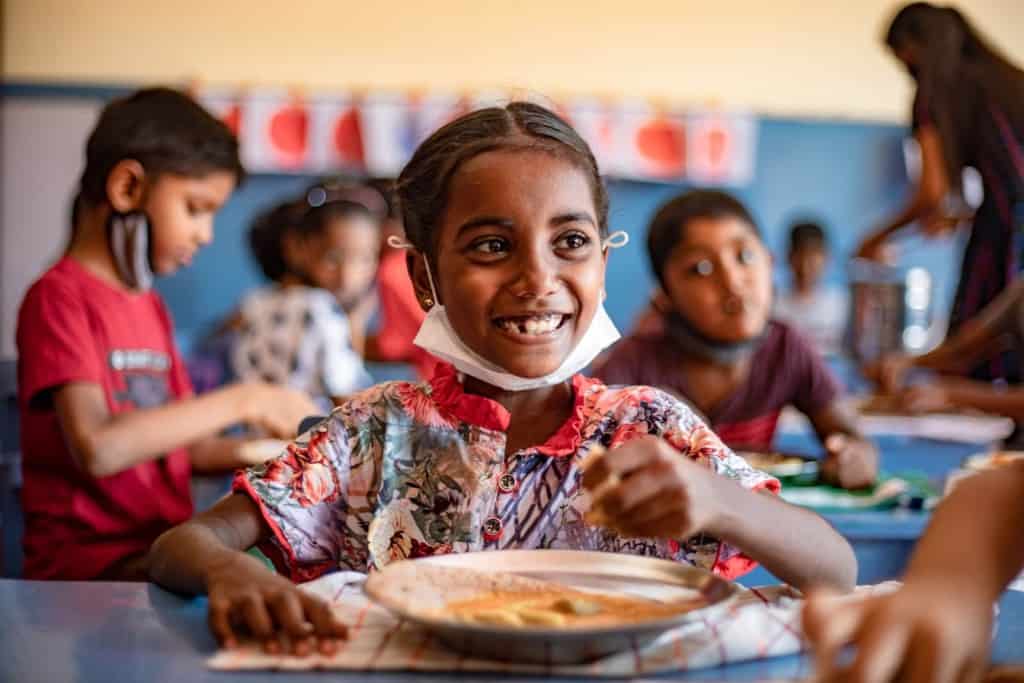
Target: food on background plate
[994, 461]
[882, 404]
[779, 464]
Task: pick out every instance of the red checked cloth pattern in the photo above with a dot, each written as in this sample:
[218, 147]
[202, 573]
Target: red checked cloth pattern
[762, 623]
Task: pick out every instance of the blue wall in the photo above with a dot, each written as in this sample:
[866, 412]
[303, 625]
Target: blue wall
[847, 174]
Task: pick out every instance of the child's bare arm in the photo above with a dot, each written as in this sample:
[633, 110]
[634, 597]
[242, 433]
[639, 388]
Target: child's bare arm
[224, 453]
[104, 444]
[205, 555]
[656, 493]
[938, 625]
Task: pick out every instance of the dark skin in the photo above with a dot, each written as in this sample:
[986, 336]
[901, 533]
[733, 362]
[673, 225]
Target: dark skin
[719, 277]
[520, 232]
[924, 206]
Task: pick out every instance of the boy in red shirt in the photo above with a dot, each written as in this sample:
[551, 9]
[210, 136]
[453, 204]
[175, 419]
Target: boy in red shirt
[110, 430]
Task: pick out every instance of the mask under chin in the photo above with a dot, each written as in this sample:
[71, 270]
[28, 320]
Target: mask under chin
[132, 249]
[694, 342]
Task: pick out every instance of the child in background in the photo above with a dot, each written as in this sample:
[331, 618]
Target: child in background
[712, 343]
[110, 431]
[997, 328]
[817, 311]
[400, 312]
[295, 332]
[507, 216]
[211, 361]
[938, 625]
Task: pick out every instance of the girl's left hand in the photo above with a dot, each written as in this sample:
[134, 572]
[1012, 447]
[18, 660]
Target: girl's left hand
[647, 489]
[850, 463]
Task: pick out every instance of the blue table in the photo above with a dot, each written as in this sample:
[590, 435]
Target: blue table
[125, 632]
[882, 539]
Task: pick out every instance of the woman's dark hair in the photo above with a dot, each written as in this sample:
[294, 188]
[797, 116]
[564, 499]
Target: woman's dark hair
[667, 228]
[162, 129]
[958, 71]
[807, 235]
[425, 181]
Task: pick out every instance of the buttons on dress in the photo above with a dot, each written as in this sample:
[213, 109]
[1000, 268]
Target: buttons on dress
[492, 528]
[508, 484]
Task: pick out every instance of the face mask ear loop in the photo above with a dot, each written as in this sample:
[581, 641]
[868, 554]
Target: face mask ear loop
[617, 239]
[396, 242]
[430, 279]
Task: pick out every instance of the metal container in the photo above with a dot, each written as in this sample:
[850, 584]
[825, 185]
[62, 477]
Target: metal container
[891, 310]
[582, 570]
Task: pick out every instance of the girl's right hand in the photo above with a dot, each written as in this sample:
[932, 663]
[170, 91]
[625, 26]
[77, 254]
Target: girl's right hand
[247, 600]
[276, 410]
[925, 631]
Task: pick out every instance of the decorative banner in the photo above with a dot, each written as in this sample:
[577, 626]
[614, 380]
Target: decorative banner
[387, 133]
[337, 139]
[651, 144]
[275, 132]
[377, 133]
[721, 148]
[594, 122]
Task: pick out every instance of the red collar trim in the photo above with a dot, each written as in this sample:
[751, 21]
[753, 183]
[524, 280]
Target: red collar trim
[485, 413]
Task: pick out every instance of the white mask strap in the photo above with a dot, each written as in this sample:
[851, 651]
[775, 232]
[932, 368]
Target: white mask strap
[396, 242]
[619, 238]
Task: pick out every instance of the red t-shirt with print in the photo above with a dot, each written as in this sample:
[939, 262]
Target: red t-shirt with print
[74, 327]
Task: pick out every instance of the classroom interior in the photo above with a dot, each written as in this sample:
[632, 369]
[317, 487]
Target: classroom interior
[798, 112]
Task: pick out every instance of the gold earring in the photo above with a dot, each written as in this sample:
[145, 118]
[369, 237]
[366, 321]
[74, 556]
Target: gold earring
[428, 302]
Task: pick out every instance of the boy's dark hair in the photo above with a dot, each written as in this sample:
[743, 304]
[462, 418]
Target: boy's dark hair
[667, 228]
[807, 235]
[424, 182]
[165, 131]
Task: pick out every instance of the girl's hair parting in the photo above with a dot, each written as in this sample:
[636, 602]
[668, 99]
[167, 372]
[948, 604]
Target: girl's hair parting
[425, 181]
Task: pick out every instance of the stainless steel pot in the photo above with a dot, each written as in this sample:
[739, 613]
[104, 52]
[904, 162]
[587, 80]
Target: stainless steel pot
[891, 310]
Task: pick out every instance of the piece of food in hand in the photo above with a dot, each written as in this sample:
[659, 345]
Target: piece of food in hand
[595, 516]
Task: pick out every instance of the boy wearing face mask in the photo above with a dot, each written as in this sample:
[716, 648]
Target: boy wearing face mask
[110, 430]
[711, 340]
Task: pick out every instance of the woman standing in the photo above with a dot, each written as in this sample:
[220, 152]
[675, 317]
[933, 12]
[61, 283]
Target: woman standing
[968, 111]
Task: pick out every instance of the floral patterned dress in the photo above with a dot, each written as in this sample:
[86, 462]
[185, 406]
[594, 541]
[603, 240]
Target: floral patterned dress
[406, 470]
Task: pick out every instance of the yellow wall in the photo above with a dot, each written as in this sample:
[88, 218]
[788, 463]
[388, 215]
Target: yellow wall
[805, 57]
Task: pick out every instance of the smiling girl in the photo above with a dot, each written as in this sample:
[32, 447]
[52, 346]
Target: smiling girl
[507, 218]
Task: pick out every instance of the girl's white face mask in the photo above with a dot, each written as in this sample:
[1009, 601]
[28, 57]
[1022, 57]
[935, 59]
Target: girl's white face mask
[436, 336]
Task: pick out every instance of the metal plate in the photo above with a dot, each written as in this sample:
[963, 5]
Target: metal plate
[595, 571]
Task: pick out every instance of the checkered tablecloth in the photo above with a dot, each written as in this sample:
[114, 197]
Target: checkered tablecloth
[761, 623]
